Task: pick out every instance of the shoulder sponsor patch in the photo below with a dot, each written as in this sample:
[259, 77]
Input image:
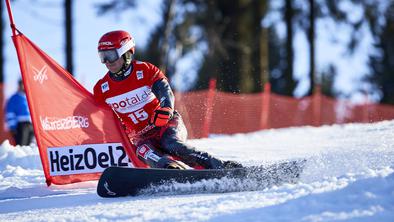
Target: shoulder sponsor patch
[140, 74]
[104, 87]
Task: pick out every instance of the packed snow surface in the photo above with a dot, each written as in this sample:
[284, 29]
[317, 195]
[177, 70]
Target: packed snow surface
[349, 176]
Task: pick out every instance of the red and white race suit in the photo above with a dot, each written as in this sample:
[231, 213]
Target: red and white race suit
[132, 97]
[133, 100]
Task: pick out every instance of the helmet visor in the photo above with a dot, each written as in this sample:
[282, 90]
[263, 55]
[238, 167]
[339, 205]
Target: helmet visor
[108, 56]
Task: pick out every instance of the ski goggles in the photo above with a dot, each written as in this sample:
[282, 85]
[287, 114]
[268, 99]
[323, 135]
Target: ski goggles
[111, 55]
[108, 55]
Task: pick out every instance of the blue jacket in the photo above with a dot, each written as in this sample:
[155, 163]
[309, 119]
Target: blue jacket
[17, 110]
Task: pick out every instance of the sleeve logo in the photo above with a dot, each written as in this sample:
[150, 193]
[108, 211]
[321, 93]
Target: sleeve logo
[40, 75]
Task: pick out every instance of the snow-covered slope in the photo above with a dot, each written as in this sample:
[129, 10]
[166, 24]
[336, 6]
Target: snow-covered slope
[349, 176]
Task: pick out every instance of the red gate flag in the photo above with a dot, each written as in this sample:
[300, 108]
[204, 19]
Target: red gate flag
[77, 137]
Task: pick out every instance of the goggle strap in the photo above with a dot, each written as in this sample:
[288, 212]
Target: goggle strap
[126, 47]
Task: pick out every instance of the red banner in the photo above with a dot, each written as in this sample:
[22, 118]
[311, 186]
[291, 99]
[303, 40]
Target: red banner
[77, 138]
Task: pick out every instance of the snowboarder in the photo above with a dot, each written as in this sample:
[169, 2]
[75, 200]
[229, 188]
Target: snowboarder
[142, 98]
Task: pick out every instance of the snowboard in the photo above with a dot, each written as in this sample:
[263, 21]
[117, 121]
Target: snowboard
[119, 181]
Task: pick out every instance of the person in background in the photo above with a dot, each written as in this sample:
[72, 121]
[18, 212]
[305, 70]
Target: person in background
[142, 98]
[18, 117]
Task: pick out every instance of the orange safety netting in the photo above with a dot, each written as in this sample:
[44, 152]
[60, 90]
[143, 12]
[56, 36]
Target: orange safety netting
[229, 113]
[239, 113]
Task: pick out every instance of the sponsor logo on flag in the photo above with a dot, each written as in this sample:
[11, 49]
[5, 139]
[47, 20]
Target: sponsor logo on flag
[91, 158]
[40, 75]
[70, 122]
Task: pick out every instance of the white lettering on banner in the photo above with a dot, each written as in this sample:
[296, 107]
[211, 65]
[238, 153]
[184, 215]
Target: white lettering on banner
[91, 158]
[131, 101]
[70, 122]
[40, 74]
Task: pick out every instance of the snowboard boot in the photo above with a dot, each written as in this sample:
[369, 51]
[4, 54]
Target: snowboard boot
[168, 163]
[210, 162]
[228, 164]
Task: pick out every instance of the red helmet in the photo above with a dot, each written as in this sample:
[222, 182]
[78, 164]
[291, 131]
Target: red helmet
[113, 45]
